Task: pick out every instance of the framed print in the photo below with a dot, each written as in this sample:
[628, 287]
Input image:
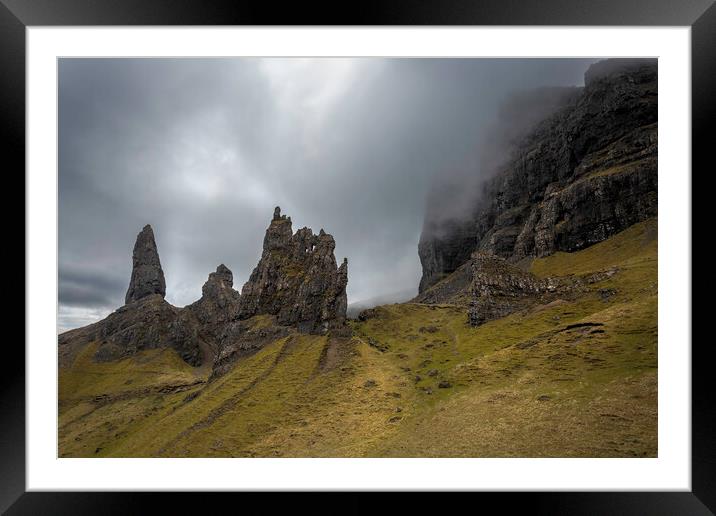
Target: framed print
[441, 249]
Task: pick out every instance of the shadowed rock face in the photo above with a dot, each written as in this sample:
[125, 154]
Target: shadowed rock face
[147, 275]
[148, 323]
[499, 288]
[582, 175]
[219, 303]
[151, 323]
[297, 279]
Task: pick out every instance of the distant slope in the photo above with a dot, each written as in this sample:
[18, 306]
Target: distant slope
[395, 297]
[570, 379]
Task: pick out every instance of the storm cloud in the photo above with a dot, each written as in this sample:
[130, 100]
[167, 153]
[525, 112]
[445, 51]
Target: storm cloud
[203, 149]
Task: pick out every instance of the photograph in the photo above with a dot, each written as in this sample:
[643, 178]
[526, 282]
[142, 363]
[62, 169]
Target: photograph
[442, 249]
[357, 257]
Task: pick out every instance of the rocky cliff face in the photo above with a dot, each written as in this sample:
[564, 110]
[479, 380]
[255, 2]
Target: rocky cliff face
[297, 279]
[580, 176]
[147, 275]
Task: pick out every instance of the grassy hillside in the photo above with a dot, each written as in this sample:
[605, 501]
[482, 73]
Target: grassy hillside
[571, 378]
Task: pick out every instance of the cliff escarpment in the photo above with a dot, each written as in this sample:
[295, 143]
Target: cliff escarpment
[583, 174]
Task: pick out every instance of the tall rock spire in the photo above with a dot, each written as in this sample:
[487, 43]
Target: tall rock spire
[147, 274]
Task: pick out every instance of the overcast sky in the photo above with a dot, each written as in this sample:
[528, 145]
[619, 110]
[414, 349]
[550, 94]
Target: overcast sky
[203, 149]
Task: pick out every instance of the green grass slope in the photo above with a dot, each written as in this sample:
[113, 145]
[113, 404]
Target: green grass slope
[568, 379]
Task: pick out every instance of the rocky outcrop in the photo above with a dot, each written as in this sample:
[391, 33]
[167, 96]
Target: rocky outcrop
[150, 323]
[219, 302]
[580, 176]
[499, 288]
[146, 321]
[147, 275]
[243, 337]
[297, 285]
[297, 279]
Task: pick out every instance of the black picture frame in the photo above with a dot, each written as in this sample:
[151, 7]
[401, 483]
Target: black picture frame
[16, 15]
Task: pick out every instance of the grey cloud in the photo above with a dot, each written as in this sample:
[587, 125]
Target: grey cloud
[88, 288]
[203, 149]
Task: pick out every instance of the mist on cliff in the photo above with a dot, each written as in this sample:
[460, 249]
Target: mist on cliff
[456, 194]
[204, 149]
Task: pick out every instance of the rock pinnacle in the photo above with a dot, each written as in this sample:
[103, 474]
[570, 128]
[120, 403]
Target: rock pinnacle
[147, 275]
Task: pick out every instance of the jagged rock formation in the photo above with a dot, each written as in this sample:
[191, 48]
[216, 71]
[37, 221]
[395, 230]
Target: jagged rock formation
[219, 302]
[297, 279]
[147, 275]
[499, 288]
[296, 286]
[582, 175]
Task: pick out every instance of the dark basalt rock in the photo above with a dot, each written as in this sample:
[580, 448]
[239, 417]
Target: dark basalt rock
[580, 176]
[443, 251]
[368, 313]
[219, 302]
[147, 275]
[499, 288]
[297, 279]
[148, 323]
[241, 338]
[453, 288]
